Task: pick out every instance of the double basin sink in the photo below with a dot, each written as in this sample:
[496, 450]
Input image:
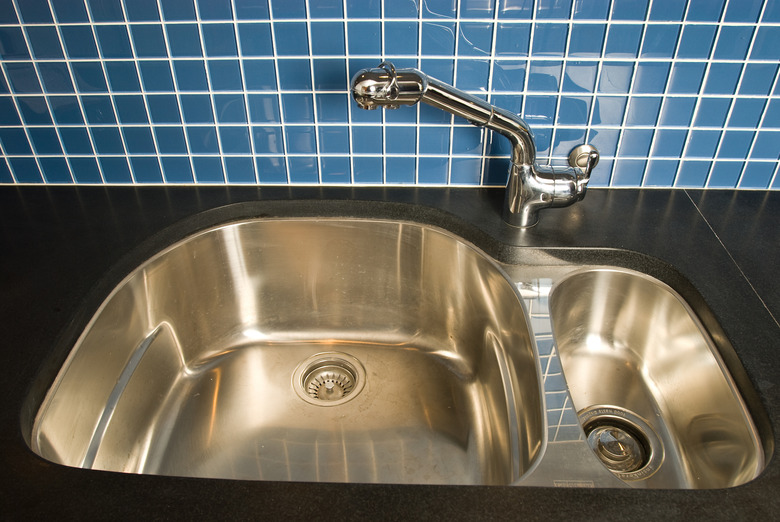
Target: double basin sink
[358, 350]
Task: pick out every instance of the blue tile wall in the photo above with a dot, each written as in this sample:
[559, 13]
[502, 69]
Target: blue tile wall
[673, 92]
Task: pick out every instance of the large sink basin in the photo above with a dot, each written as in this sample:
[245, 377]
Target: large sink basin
[307, 350]
[654, 397]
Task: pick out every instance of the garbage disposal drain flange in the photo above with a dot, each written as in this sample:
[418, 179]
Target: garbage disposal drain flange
[329, 379]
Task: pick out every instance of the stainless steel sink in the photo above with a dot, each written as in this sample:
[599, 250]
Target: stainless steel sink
[307, 350]
[657, 405]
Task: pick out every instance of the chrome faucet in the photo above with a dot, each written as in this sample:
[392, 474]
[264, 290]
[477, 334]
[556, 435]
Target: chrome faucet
[530, 187]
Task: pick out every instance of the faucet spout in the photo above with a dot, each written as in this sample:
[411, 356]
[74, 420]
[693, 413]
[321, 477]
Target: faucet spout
[530, 187]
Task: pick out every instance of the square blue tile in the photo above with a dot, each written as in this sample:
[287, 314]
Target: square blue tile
[335, 169]
[219, 40]
[660, 173]
[330, 74]
[56, 77]
[580, 76]
[475, 39]
[184, 40]
[300, 139]
[235, 140]
[75, 140]
[190, 75]
[98, 109]
[326, 9]
[772, 116]
[735, 144]
[472, 75]
[255, 39]
[632, 10]
[240, 170]
[45, 42]
[496, 171]
[623, 41]
[545, 76]
[156, 76]
[615, 77]
[497, 145]
[271, 169]
[434, 140]
[586, 40]
[263, 108]
[44, 140]
[85, 170]
[170, 140]
[176, 10]
[148, 41]
[251, 10]
[702, 143]
[636, 142]
[539, 109]
[367, 140]
[366, 37]
[643, 111]
[404, 114]
[766, 146]
[766, 43]
[13, 45]
[177, 169]
[508, 75]
[677, 111]
[696, 41]
[230, 108]
[196, 108]
[108, 140]
[628, 172]
[590, 9]
[363, 8]
[509, 9]
[225, 75]
[298, 108]
[549, 39]
[724, 174]
[303, 170]
[142, 11]
[33, 109]
[402, 9]
[771, 12]
[669, 142]
[733, 42]
[68, 11]
[79, 41]
[440, 8]
[139, 140]
[400, 140]
[605, 140]
[123, 76]
[114, 41]
[712, 112]
[106, 10]
[704, 10]
[56, 170]
[367, 170]
[332, 108]
[34, 12]
[758, 78]
[747, 112]
[203, 140]
[666, 10]
[25, 170]
[22, 77]
[566, 140]
[208, 170]
[574, 110]
[291, 38]
[757, 175]
[468, 140]
[163, 108]
[723, 78]
[400, 170]
[66, 110]
[400, 38]
[553, 8]
[268, 139]
[334, 139]
[215, 10]
[441, 69]
[438, 38]
[432, 171]
[294, 74]
[686, 77]
[327, 38]
[130, 109]
[660, 41]
[609, 110]
[5, 173]
[259, 75]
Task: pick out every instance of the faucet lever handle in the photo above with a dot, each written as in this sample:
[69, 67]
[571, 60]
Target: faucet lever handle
[584, 157]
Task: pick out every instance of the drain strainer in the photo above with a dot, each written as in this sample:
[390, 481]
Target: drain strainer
[623, 441]
[328, 379]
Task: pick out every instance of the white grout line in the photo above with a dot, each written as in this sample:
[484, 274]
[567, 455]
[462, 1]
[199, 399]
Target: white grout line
[451, 126]
[317, 149]
[561, 81]
[758, 130]
[349, 98]
[486, 136]
[252, 152]
[278, 96]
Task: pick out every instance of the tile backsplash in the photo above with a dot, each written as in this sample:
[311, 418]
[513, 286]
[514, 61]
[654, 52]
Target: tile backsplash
[672, 92]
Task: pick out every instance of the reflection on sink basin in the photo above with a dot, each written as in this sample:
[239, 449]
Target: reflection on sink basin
[308, 350]
[651, 391]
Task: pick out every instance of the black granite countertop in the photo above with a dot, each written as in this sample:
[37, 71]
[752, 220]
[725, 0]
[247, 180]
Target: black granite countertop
[64, 248]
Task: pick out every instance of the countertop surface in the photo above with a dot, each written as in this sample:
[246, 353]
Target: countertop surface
[64, 248]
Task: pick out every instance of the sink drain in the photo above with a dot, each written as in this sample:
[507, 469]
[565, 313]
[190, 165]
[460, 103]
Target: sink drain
[623, 441]
[328, 379]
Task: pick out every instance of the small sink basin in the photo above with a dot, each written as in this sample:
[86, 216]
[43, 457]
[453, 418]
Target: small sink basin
[306, 350]
[656, 402]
